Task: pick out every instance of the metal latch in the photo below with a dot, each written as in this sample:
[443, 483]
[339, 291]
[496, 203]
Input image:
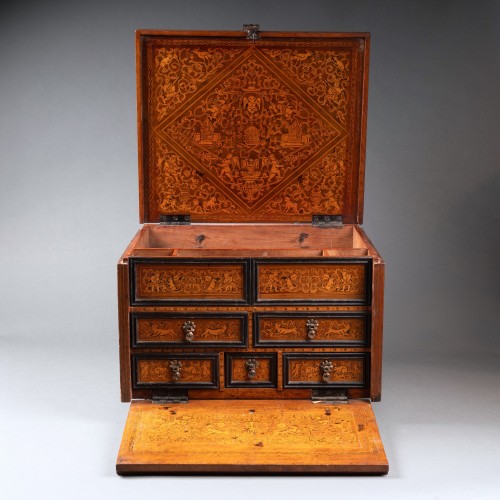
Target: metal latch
[172, 397]
[253, 31]
[327, 221]
[332, 396]
[175, 219]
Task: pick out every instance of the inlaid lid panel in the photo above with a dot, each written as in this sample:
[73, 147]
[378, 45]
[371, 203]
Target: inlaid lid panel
[232, 130]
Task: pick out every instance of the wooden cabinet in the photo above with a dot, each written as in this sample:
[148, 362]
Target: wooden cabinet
[251, 292]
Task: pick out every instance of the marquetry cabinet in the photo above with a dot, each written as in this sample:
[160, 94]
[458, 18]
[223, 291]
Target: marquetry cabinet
[251, 300]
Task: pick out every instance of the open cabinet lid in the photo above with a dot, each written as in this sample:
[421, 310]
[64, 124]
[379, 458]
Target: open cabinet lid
[251, 436]
[239, 130]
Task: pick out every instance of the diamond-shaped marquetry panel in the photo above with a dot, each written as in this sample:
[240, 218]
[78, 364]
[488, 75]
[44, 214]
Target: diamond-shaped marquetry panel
[251, 132]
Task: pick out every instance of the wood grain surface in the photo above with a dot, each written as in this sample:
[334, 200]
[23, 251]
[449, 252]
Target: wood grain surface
[251, 436]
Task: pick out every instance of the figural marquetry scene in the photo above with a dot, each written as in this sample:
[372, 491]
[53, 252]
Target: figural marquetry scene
[251, 294]
[259, 132]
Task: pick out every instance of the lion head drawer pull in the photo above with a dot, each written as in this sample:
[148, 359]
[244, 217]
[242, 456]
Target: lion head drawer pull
[312, 328]
[251, 366]
[326, 368]
[175, 367]
[188, 328]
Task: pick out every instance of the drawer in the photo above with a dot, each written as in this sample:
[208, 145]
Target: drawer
[316, 370]
[250, 369]
[192, 329]
[185, 281]
[175, 370]
[321, 329]
[306, 281]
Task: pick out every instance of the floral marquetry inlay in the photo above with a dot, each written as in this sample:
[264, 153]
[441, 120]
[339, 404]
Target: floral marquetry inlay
[328, 329]
[167, 371]
[313, 370]
[177, 282]
[171, 330]
[297, 281]
[251, 132]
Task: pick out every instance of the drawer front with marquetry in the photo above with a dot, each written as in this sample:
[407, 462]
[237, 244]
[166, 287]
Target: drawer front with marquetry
[184, 281]
[189, 329]
[316, 370]
[326, 281]
[318, 329]
[250, 369]
[176, 370]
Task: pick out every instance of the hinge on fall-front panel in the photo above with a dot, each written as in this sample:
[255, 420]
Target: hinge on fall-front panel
[331, 396]
[327, 221]
[173, 396]
[175, 219]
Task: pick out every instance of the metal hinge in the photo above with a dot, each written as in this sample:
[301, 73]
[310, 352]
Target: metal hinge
[175, 219]
[327, 220]
[172, 397]
[253, 31]
[332, 396]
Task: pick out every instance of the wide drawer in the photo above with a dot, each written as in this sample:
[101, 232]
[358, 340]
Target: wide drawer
[189, 329]
[316, 370]
[250, 369]
[318, 329]
[306, 281]
[175, 370]
[184, 281]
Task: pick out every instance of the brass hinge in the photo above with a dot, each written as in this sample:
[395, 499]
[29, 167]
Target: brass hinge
[331, 396]
[172, 397]
[175, 220]
[327, 221]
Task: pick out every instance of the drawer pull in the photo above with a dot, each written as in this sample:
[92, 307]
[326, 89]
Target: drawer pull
[251, 366]
[326, 368]
[312, 328]
[188, 328]
[175, 366]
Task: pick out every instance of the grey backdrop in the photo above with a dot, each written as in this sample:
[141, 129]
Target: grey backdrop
[69, 206]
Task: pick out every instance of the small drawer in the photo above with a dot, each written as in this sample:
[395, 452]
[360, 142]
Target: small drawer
[176, 370]
[192, 329]
[250, 369]
[321, 329]
[185, 281]
[306, 281]
[316, 370]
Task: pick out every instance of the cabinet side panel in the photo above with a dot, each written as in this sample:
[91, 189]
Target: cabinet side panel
[123, 325]
[377, 329]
